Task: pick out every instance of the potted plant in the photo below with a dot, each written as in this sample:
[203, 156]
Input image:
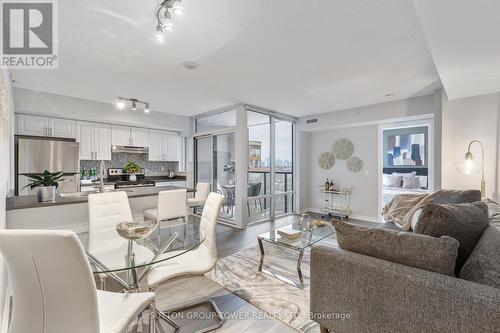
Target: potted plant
[132, 168]
[47, 184]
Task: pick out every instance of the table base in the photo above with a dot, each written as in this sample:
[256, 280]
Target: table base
[278, 276]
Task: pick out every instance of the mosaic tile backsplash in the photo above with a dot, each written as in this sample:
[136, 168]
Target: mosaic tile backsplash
[118, 160]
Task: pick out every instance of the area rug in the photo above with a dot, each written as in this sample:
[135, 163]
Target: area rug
[239, 273]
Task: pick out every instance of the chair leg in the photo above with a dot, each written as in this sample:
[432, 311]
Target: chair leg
[102, 280]
[152, 318]
[219, 323]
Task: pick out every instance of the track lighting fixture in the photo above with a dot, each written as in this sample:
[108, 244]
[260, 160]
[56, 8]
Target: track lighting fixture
[121, 103]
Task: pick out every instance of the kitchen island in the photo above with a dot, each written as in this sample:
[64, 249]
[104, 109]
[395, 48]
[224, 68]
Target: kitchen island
[71, 212]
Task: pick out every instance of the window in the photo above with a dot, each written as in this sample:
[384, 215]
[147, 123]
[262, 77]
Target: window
[221, 120]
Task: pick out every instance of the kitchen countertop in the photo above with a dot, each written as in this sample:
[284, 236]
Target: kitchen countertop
[30, 201]
[177, 178]
[166, 179]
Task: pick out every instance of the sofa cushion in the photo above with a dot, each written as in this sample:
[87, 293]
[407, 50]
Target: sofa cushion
[457, 196]
[483, 265]
[464, 222]
[406, 248]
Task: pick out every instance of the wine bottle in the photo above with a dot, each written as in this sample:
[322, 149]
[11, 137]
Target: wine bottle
[327, 185]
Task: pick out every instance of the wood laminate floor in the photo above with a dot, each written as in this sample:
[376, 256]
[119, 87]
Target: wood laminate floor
[241, 316]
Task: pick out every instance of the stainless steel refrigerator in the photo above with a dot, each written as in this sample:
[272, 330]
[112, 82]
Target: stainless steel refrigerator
[34, 156]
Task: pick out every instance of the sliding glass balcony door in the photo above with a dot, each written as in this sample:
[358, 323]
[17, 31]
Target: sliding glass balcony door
[270, 166]
[215, 164]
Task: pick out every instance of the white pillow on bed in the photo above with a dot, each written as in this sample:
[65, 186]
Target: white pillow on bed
[391, 180]
[411, 182]
[409, 174]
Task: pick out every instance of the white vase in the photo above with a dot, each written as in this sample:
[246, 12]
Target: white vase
[132, 177]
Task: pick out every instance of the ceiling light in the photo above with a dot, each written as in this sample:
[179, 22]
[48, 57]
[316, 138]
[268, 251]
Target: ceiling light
[120, 104]
[390, 95]
[168, 24]
[164, 21]
[177, 8]
[160, 38]
[190, 64]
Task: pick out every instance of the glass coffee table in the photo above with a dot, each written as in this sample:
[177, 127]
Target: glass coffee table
[307, 239]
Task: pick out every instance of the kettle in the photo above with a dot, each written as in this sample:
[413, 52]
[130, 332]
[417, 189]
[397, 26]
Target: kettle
[170, 174]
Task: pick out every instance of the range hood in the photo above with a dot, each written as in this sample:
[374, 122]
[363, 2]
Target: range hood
[129, 149]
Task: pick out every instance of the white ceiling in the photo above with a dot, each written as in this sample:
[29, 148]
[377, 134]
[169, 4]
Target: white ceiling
[296, 57]
[464, 39]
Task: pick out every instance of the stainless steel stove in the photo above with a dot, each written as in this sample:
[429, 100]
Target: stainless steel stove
[123, 179]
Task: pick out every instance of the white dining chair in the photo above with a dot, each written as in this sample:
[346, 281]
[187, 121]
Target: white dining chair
[200, 196]
[171, 206]
[106, 210]
[53, 289]
[195, 262]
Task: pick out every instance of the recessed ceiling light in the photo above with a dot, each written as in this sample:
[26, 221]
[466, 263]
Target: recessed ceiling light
[390, 95]
[190, 64]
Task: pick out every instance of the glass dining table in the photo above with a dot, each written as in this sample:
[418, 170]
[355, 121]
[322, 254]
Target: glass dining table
[134, 258]
[128, 261]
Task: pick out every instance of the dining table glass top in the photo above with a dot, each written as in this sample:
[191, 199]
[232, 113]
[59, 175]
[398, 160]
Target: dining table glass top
[121, 254]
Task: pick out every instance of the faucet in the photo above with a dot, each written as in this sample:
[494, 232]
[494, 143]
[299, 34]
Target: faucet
[101, 176]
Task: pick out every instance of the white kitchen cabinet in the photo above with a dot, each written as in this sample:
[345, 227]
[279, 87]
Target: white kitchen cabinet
[164, 146]
[157, 141]
[173, 147]
[102, 141]
[62, 128]
[94, 139]
[45, 126]
[130, 136]
[140, 137]
[85, 136]
[32, 125]
[121, 136]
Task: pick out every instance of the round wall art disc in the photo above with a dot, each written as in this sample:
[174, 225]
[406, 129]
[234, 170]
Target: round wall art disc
[343, 149]
[326, 160]
[354, 164]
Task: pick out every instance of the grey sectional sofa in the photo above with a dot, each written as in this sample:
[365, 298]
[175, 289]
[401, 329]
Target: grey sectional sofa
[351, 292]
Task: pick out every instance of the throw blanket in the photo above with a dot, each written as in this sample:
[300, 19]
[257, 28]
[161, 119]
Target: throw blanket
[401, 209]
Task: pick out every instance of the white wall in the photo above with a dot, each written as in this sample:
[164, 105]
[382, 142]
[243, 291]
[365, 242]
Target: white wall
[360, 125]
[403, 110]
[463, 121]
[364, 200]
[6, 172]
[42, 103]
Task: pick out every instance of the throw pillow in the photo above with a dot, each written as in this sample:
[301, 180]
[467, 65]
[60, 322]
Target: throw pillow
[483, 265]
[433, 254]
[392, 181]
[411, 182]
[464, 222]
[405, 174]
